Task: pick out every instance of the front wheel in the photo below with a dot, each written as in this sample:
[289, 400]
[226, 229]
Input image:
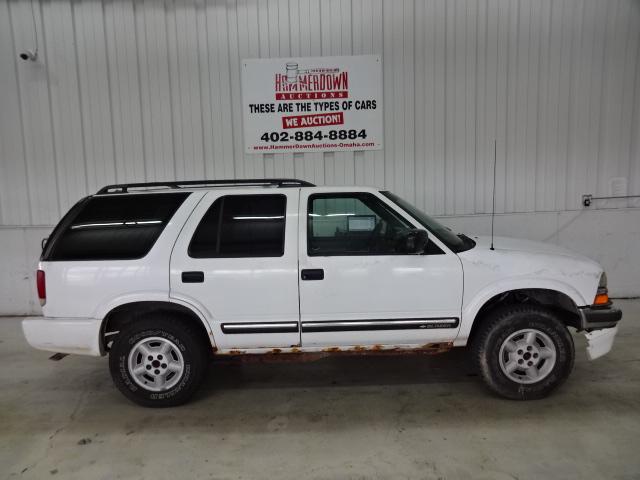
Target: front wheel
[158, 362]
[523, 352]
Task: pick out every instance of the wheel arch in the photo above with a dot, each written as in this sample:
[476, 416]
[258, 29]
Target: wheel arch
[563, 301]
[126, 313]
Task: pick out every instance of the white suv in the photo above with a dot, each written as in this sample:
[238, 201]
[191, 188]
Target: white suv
[163, 275]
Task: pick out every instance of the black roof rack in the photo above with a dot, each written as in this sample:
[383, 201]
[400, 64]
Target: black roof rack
[275, 182]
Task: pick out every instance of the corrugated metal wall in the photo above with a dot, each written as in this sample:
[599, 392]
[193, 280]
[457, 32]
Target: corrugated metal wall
[130, 90]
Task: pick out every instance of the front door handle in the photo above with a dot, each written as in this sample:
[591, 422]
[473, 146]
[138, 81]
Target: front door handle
[312, 274]
[192, 277]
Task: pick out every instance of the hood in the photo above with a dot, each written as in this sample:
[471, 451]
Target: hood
[526, 246]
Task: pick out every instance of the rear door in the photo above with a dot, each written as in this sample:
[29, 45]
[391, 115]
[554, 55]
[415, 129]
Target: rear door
[237, 260]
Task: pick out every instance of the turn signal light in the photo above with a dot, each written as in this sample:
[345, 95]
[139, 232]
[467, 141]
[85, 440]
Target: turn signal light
[602, 297]
[42, 289]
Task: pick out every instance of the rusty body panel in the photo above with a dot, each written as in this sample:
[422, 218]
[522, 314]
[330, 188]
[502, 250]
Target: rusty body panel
[296, 354]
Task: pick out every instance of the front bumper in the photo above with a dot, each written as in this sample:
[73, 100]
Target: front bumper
[600, 326]
[596, 318]
[64, 335]
[599, 342]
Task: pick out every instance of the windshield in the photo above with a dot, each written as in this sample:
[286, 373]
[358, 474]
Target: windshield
[457, 243]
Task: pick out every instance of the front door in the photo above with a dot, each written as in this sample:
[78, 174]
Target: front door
[237, 261]
[357, 288]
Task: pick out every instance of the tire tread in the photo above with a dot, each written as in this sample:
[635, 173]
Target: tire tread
[495, 381]
[177, 327]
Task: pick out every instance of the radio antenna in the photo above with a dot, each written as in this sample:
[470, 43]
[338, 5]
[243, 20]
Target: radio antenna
[493, 206]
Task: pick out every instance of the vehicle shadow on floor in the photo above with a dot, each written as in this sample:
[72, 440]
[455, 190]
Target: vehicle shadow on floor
[339, 370]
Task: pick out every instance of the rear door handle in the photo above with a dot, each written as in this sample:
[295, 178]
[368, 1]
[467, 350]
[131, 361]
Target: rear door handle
[312, 274]
[192, 277]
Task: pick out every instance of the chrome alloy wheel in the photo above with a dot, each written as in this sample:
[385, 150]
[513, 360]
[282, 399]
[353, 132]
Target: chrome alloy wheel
[527, 356]
[156, 364]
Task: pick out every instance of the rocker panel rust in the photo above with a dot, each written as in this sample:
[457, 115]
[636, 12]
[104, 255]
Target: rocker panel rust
[296, 354]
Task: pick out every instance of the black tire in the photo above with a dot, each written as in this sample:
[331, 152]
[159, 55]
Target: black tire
[504, 322]
[186, 338]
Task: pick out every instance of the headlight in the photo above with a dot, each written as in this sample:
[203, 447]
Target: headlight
[603, 280]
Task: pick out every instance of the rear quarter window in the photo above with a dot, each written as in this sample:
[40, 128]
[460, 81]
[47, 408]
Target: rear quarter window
[119, 227]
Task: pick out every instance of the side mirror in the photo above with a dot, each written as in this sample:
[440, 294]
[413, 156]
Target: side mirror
[414, 241]
[43, 242]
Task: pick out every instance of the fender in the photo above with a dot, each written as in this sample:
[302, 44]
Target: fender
[198, 311]
[140, 296]
[471, 307]
[153, 296]
[195, 305]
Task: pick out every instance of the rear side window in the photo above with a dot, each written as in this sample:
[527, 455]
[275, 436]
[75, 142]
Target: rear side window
[241, 226]
[119, 227]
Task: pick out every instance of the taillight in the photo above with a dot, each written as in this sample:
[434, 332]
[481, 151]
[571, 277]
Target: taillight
[42, 289]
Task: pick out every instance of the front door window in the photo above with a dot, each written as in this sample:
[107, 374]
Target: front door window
[353, 224]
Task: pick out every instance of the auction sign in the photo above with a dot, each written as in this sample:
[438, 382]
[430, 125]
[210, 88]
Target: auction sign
[313, 104]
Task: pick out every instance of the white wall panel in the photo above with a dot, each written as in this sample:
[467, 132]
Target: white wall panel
[95, 94]
[65, 113]
[145, 90]
[134, 90]
[14, 188]
[34, 96]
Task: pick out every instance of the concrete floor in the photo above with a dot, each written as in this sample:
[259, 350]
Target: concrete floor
[406, 417]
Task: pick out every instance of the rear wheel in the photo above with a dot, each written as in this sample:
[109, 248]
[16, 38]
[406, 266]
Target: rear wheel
[524, 352]
[158, 362]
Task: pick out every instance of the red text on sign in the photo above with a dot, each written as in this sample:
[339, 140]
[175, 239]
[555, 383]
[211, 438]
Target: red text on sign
[317, 120]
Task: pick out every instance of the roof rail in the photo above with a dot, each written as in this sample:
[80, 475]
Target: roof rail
[275, 182]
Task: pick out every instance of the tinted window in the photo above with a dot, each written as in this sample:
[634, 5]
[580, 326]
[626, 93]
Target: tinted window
[353, 224]
[241, 226]
[119, 227]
